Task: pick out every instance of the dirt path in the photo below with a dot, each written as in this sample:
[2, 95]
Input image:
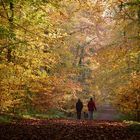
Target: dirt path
[106, 112]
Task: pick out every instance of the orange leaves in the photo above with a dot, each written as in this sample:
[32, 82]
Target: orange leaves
[58, 129]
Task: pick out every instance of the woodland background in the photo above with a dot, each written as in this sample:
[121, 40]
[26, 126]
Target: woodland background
[53, 52]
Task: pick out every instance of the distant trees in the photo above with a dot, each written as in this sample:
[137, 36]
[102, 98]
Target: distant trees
[119, 60]
[36, 58]
[53, 51]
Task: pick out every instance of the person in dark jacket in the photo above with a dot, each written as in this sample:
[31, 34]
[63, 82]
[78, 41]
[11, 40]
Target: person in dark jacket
[79, 107]
[91, 108]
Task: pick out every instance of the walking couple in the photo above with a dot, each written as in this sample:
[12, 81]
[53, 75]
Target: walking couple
[91, 107]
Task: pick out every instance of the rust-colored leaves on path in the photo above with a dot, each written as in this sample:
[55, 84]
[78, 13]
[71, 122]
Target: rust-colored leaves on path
[67, 130]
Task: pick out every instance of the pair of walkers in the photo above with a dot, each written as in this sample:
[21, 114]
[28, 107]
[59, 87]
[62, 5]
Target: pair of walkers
[91, 107]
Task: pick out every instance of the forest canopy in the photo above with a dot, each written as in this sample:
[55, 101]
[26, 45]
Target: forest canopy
[53, 52]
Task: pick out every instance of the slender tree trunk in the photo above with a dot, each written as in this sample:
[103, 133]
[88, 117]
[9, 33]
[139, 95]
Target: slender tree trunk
[82, 55]
[11, 26]
[10, 18]
[137, 108]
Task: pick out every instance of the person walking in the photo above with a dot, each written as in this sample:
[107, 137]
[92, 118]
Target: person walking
[79, 107]
[91, 107]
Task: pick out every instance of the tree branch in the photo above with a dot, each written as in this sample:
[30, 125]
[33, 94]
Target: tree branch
[4, 7]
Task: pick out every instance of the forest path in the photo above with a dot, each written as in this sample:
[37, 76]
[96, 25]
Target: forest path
[107, 112]
[64, 129]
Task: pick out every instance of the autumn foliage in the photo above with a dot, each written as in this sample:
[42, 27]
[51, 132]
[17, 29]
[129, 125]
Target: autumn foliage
[55, 51]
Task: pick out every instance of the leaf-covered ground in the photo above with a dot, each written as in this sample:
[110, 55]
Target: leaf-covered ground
[59, 129]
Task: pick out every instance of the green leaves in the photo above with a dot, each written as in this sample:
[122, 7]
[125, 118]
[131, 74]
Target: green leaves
[6, 33]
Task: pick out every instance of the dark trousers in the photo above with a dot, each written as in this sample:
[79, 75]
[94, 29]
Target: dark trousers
[78, 114]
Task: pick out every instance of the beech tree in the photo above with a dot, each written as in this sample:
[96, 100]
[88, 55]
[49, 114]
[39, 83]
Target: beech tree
[54, 51]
